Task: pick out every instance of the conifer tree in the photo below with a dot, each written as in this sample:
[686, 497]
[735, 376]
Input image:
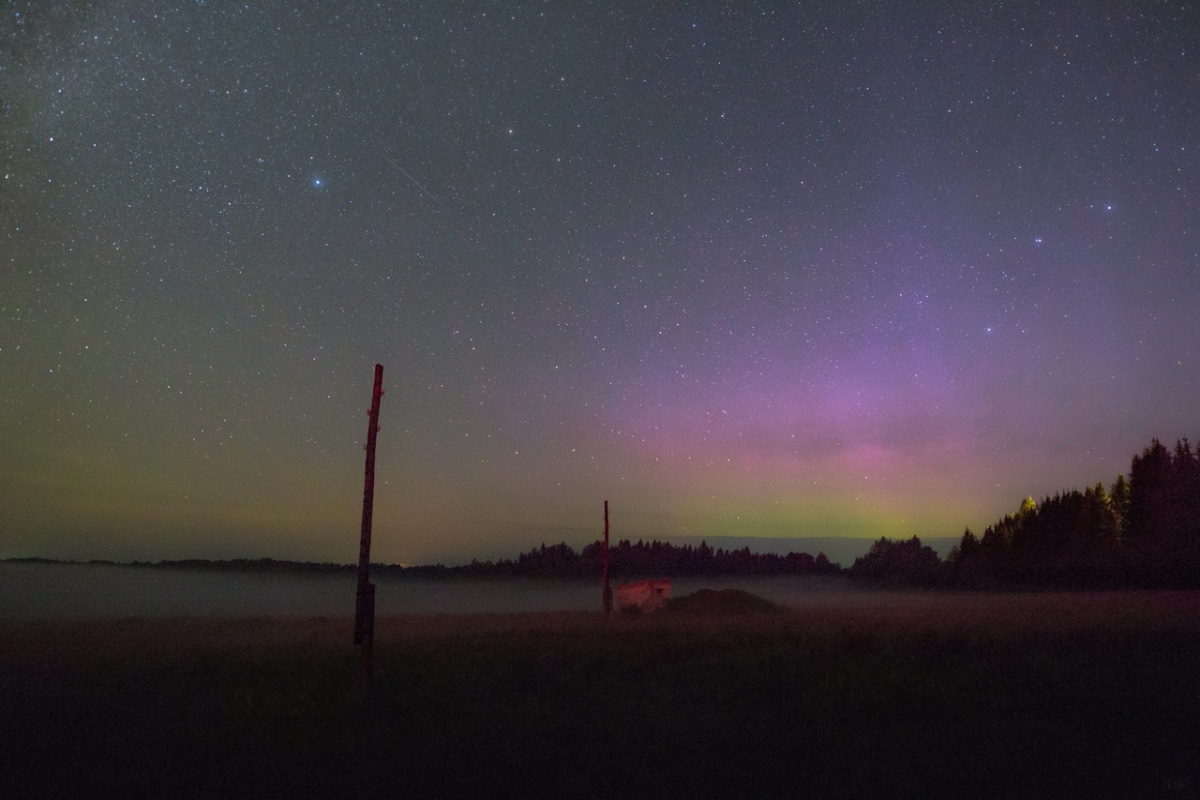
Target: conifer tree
[1119, 498]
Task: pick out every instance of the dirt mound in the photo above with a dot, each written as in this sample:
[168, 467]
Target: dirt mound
[722, 601]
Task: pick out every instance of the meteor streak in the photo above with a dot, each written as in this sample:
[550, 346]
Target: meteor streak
[411, 178]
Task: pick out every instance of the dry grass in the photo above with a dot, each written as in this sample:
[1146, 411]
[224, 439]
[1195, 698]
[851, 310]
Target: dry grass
[886, 694]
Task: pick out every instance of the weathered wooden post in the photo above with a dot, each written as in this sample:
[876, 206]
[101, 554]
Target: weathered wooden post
[364, 616]
[607, 589]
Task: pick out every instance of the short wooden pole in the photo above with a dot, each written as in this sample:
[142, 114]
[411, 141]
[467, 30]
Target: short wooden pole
[607, 597]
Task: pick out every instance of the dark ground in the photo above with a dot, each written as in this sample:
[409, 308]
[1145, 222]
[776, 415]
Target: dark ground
[1063, 695]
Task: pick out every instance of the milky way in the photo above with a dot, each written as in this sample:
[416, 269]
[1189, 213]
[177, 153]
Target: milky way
[839, 268]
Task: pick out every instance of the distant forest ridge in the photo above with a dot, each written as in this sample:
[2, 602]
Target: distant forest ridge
[722, 555]
[840, 549]
[626, 559]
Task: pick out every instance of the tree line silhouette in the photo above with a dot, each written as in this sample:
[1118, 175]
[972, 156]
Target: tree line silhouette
[645, 559]
[626, 560]
[1141, 532]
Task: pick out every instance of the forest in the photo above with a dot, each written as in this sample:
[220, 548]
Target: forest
[626, 560]
[641, 559]
[1141, 532]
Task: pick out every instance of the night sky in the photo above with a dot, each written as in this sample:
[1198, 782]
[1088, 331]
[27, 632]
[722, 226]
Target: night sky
[813, 269]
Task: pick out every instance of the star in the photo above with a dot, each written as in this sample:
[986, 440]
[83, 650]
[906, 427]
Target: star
[622, 272]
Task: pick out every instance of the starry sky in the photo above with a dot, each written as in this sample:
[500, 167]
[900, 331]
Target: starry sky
[753, 269]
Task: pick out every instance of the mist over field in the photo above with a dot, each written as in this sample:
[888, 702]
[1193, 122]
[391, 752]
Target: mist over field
[81, 591]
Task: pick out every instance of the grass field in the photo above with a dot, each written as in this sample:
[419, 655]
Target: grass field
[895, 695]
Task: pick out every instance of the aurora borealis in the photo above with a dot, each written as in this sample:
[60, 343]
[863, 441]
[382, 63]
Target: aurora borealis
[816, 269]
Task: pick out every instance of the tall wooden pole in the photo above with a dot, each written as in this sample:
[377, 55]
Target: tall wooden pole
[364, 617]
[607, 589]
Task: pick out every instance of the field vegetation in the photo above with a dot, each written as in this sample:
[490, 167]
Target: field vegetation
[891, 695]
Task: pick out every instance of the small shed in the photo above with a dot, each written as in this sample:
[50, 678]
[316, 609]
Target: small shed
[644, 596]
